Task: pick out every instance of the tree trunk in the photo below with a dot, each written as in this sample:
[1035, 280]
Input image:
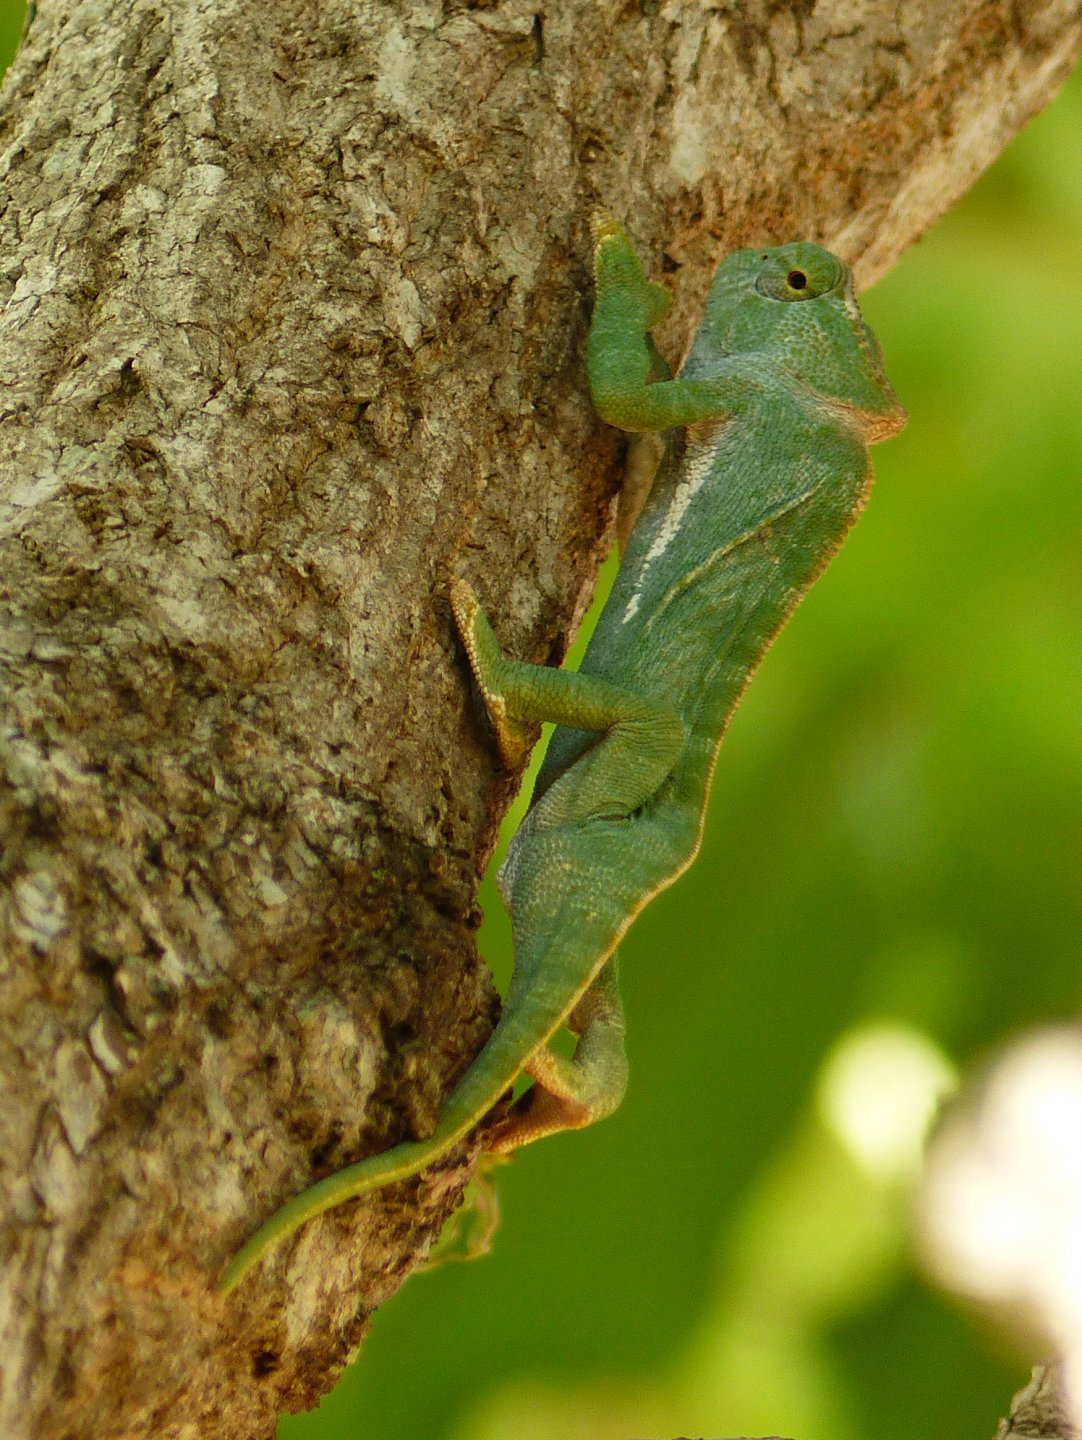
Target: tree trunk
[293, 307]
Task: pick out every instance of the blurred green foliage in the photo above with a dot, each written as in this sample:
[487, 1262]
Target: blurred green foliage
[895, 837]
[12, 14]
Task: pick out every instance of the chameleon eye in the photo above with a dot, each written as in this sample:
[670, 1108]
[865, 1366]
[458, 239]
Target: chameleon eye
[815, 273]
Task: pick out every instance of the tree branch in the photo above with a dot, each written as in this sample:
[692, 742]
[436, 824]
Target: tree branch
[293, 308]
[1038, 1411]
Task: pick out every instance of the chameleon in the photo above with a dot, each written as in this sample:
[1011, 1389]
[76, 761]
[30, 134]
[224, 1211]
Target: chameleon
[781, 393]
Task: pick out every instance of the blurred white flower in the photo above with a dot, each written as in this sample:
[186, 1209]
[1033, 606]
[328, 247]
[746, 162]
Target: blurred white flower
[1000, 1207]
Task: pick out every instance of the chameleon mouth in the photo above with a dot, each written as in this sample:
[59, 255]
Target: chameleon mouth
[874, 425]
[882, 427]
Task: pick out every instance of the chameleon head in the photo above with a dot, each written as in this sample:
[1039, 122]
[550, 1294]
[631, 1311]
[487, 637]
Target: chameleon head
[796, 304]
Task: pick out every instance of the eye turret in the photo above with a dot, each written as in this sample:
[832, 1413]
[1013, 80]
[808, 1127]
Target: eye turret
[806, 276]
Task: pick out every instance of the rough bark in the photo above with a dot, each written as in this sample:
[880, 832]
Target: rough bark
[1038, 1412]
[293, 301]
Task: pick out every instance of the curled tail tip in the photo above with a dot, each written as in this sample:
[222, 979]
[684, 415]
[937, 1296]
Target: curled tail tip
[236, 1270]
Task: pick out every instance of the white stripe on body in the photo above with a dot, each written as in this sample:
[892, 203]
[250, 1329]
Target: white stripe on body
[698, 462]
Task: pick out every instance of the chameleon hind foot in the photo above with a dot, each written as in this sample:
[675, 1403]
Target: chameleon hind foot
[568, 1094]
[489, 668]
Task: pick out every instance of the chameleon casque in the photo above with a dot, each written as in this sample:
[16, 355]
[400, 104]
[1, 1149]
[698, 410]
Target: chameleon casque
[782, 392]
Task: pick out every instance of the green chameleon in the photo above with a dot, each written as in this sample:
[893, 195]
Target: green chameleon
[782, 392]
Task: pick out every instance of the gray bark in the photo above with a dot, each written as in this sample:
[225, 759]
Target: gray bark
[1038, 1412]
[292, 302]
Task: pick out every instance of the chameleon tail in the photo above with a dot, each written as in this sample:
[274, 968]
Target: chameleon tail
[494, 1070]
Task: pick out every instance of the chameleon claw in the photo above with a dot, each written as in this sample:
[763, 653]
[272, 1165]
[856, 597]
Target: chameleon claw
[602, 226]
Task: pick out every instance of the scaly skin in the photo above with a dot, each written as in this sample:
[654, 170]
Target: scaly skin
[783, 391]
